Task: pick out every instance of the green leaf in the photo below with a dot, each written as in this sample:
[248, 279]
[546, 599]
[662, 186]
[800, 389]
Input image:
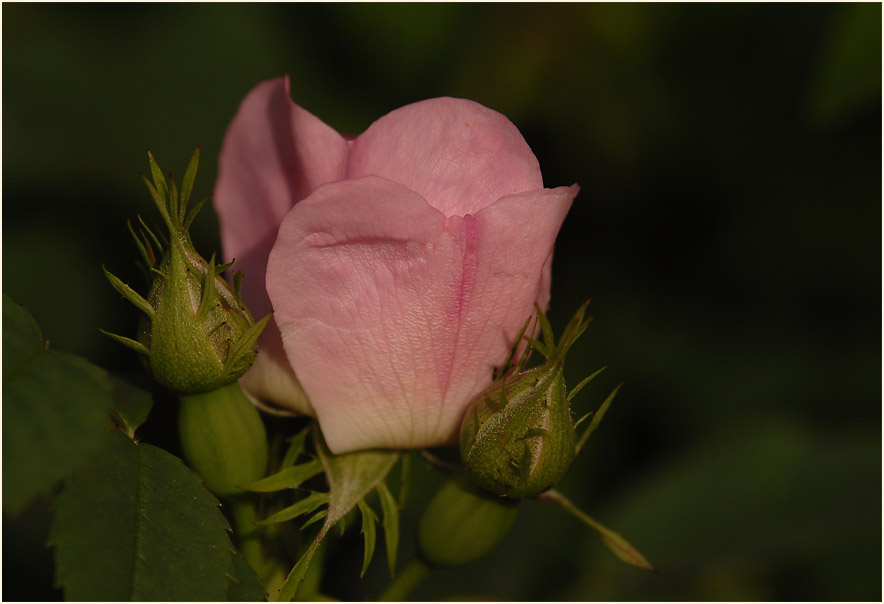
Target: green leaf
[287, 478]
[22, 338]
[137, 524]
[369, 530]
[55, 410]
[245, 586]
[391, 525]
[131, 406]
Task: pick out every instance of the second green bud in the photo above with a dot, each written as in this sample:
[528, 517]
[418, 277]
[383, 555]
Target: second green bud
[223, 439]
[463, 523]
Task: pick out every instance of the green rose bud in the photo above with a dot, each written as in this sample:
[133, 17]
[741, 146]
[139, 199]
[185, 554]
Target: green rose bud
[463, 523]
[223, 439]
[196, 335]
[517, 438]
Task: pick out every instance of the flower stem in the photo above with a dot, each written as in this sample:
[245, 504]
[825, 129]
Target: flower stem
[407, 580]
[244, 515]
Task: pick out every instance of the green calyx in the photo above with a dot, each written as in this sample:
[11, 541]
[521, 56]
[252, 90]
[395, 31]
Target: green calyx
[196, 333]
[517, 438]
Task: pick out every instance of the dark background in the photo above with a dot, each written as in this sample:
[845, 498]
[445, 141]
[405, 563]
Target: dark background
[728, 230]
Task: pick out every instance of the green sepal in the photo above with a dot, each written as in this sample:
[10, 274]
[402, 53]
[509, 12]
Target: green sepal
[369, 532]
[153, 237]
[583, 383]
[160, 203]
[597, 418]
[295, 448]
[209, 296]
[143, 244]
[304, 506]
[241, 350]
[188, 180]
[390, 511]
[193, 212]
[127, 342]
[314, 519]
[290, 477]
[130, 294]
[350, 476]
[158, 178]
[220, 268]
[548, 337]
[506, 368]
[173, 200]
[613, 541]
[404, 481]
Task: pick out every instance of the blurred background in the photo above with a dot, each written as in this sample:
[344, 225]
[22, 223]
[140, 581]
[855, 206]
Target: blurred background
[728, 230]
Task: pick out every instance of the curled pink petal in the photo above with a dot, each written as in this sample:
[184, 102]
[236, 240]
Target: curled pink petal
[457, 154]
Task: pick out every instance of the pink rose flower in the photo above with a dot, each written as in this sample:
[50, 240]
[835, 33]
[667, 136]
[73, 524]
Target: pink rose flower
[400, 265]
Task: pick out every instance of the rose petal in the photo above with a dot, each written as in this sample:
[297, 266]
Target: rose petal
[457, 154]
[394, 316]
[271, 379]
[274, 154]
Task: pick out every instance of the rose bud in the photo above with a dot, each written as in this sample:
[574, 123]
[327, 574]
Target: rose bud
[462, 523]
[517, 438]
[196, 335]
[400, 265]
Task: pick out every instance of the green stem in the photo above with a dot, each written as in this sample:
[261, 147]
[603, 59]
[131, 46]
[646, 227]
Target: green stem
[244, 515]
[407, 580]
